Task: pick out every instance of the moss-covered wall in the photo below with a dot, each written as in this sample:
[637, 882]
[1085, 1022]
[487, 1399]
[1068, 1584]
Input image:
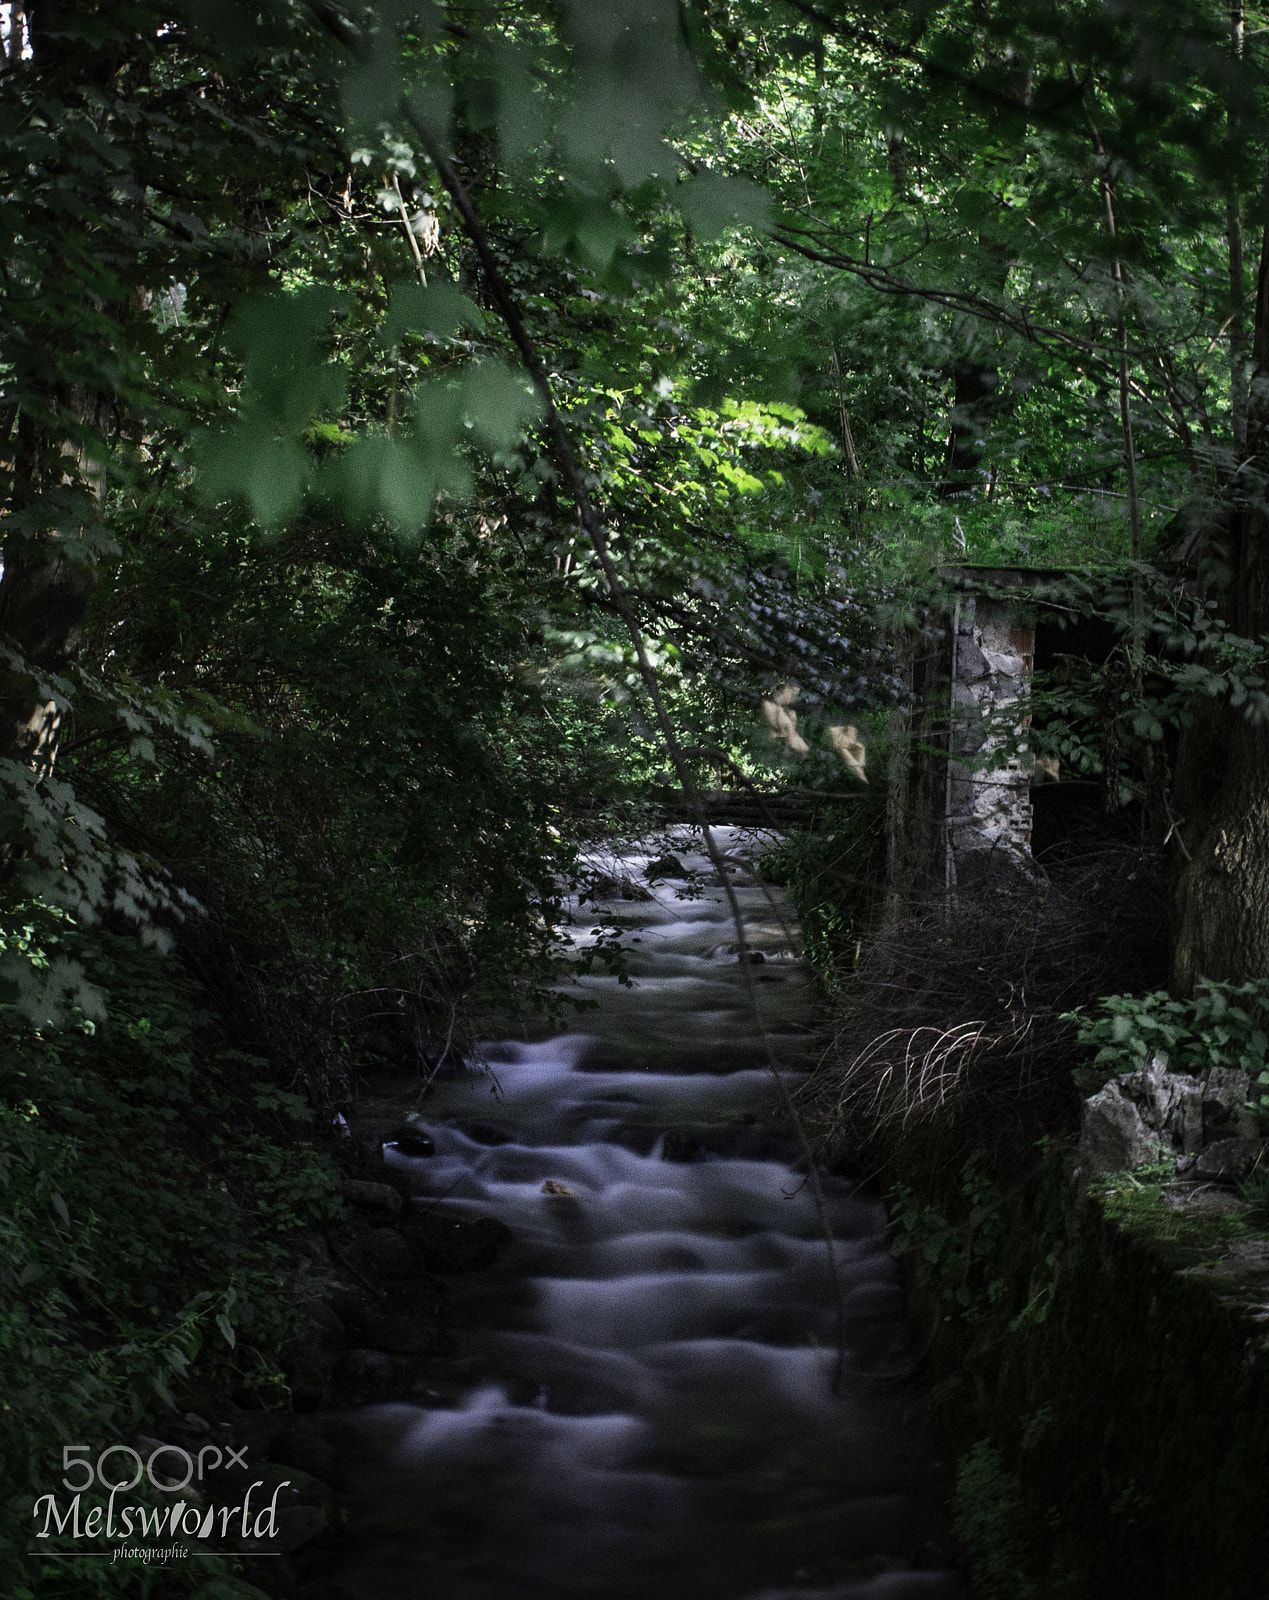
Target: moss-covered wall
[1116, 1445]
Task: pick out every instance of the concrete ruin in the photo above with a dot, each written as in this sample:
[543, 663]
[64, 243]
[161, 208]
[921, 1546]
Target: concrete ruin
[961, 813]
[987, 809]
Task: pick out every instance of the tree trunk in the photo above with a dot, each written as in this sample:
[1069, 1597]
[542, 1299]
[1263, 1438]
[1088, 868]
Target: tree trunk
[974, 399]
[43, 597]
[1220, 897]
[56, 480]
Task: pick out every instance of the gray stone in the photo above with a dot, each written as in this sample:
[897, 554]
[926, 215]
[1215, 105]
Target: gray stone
[366, 1376]
[306, 1447]
[1225, 1113]
[1004, 663]
[1114, 1137]
[606, 886]
[351, 1303]
[302, 1505]
[382, 1253]
[325, 1322]
[1201, 1200]
[970, 661]
[443, 1242]
[1246, 1262]
[403, 1333]
[1171, 1103]
[372, 1196]
[989, 806]
[1228, 1160]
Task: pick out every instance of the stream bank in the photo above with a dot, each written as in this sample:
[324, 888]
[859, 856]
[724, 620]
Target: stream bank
[1091, 1347]
[1089, 1354]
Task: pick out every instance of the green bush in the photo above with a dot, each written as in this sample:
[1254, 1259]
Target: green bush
[1224, 1025]
[148, 1181]
[990, 1522]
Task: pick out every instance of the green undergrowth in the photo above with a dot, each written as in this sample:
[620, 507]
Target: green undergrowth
[1136, 1203]
[1221, 1026]
[833, 874]
[151, 1178]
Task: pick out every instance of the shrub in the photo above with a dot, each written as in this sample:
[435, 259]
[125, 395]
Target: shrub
[1224, 1025]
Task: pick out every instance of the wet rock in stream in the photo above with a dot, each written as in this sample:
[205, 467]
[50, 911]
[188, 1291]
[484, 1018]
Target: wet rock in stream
[365, 1376]
[411, 1141]
[444, 1242]
[372, 1196]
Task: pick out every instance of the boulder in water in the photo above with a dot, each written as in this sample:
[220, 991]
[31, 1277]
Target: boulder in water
[412, 1141]
[403, 1333]
[365, 1376]
[372, 1196]
[443, 1242]
[605, 886]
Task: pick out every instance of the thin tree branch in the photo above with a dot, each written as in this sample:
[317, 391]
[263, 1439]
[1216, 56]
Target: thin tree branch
[566, 459]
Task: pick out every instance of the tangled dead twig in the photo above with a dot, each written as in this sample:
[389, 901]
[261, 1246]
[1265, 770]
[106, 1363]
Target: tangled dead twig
[954, 1020]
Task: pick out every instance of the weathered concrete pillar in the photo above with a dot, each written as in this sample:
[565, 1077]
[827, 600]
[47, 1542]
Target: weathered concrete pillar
[987, 815]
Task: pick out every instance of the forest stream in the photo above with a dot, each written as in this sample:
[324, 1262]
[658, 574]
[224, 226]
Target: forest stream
[640, 1399]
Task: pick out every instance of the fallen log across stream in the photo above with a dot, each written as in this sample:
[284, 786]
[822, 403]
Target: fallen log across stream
[755, 808]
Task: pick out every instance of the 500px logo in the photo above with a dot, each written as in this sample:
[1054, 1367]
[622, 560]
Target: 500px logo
[165, 1482]
[186, 1519]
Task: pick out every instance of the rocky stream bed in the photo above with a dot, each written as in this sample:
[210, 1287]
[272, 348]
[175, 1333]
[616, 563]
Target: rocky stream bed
[585, 1320]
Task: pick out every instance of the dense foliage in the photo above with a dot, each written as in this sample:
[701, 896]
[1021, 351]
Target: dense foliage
[412, 413]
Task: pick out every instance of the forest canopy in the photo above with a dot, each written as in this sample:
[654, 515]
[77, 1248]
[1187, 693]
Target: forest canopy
[398, 397]
[434, 438]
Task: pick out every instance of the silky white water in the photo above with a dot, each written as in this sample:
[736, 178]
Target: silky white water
[642, 1402]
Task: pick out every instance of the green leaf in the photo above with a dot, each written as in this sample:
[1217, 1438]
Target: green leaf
[592, 224]
[371, 92]
[440, 308]
[522, 120]
[422, 20]
[432, 105]
[277, 336]
[250, 462]
[240, 31]
[712, 202]
[500, 404]
[378, 476]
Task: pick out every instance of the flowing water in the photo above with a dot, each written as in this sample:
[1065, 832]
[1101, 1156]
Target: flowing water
[642, 1404]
